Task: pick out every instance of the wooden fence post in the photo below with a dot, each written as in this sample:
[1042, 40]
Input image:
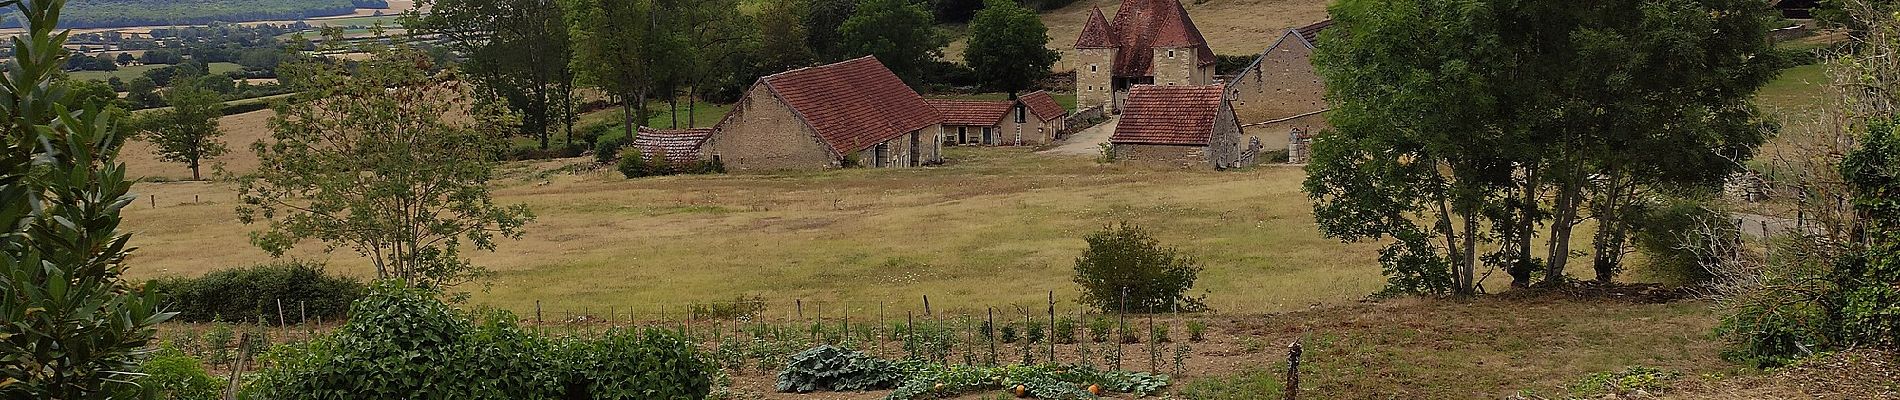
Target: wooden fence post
[1293, 371]
[237, 366]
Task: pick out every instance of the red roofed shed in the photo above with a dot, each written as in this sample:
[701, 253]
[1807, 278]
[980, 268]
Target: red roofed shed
[1191, 126]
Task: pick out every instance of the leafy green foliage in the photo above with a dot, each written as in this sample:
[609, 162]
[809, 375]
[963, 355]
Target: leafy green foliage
[516, 50]
[381, 157]
[1672, 233]
[305, 289]
[1063, 332]
[898, 32]
[1099, 329]
[1127, 261]
[831, 369]
[188, 131]
[72, 327]
[1629, 380]
[403, 343]
[1008, 46]
[1197, 330]
[1039, 381]
[170, 374]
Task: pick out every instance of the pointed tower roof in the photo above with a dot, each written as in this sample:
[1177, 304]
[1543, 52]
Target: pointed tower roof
[1140, 26]
[1096, 34]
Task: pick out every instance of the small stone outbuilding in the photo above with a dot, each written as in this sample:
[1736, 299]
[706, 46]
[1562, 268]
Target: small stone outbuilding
[1185, 126]
[852, 113]
[1033, 120]
[1280, 92]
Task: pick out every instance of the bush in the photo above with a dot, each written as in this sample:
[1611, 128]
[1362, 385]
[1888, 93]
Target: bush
[245, 294]
[1670, 234]
[1064, 331]
[1197, 331]
[1276, 156]
[607, 150]
[171, 375]
[633, 165]
[1099, 329]
[1125, 261]
[831, 369]
[404, 343]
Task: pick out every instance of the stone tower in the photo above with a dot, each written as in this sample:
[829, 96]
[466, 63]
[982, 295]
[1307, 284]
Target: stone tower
[1095, 69]
[1150, 42]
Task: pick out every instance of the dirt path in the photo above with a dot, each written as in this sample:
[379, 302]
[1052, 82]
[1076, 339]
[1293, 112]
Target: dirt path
[1088, 142]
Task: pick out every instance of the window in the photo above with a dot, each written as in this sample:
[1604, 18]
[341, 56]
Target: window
[1170, 53]
[1022, 114]
[1091, 67]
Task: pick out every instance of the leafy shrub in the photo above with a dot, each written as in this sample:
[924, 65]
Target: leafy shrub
[632, 165]
[1672, 232]
[243, 294]
[1159, 333]
[402, 342]
[1197, 331]
[606, 150]
[739, 307]
[832, 369]
[1276, 156]
[1126, 261]
[1064, 331]
[1098, 329]
[171, 375]
[218, 343]
[1009, 333]
[1032, 331]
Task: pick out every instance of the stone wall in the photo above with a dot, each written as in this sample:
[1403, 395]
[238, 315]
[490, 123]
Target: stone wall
[1180, 66]
[1094, 77]
[915, 149]
[764, 134]
[1282, 87]
[1164, 155]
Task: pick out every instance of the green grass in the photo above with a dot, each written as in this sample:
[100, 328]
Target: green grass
[1798, 89]
[127, 73]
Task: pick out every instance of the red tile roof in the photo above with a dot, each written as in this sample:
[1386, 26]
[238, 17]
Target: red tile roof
[1096, 34]
[853, 105]
[1311, 32]
[680, 145]
[970, 112]
[1043, 105]
[1140, 26]
[1173, 115]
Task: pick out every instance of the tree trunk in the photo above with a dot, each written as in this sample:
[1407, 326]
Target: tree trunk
[1526, 231]
[626, 116]
[194, 171]
[673, 104]
[1612, 231]
[1561, 227]
[692, 99]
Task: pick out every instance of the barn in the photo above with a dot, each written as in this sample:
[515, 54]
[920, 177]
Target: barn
[1280, 95]
[852, 113]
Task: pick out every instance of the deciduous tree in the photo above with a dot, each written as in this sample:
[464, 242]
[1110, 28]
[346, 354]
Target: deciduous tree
[383, 158]
[900, 34]
[188, 131]
[517, 50]
[1009, 47]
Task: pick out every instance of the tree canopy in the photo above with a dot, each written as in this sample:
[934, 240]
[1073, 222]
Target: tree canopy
[1008, 46]
[900, 34]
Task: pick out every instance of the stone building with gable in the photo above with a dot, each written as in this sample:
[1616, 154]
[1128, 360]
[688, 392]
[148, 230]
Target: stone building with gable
[1150, 42]
[852, 113]
[1184, 126]
[1033, 119]
[1280, 95]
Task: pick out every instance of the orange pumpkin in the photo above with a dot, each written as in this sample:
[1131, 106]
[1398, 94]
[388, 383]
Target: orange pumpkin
[1095, 389]
[1021, 391]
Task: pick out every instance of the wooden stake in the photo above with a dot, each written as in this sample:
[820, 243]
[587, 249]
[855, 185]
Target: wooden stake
[1293, 371]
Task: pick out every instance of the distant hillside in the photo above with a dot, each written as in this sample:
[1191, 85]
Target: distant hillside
[121, 13]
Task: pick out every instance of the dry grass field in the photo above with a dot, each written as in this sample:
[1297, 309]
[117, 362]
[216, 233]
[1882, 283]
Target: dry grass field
[996, 227]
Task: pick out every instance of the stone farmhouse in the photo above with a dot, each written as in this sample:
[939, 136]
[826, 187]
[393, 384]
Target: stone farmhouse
[852, 113]
[1150, 42]
[1033, 119]
[680, 146]
[1280, 96]
[1185, 126]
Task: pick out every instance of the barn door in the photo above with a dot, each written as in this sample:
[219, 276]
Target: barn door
[915, 148]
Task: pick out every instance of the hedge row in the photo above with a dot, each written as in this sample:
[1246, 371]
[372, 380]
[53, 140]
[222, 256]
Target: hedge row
[251, 294]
